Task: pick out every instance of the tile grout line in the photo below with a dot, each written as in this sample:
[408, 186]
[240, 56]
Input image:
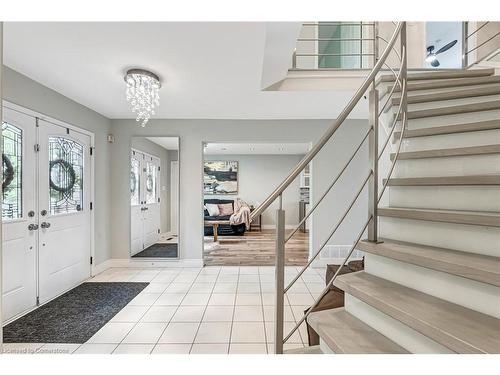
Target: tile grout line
[204, 311]
[262, 308]
[234, 311]
[177, 309]
[135, 324]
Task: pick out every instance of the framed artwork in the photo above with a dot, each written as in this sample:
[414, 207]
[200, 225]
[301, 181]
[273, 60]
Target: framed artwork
[220, 177]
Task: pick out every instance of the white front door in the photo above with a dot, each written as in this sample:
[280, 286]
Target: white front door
[64, 204]
[145, 201]
[19, 214]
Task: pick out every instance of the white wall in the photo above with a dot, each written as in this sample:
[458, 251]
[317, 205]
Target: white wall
[192, 134]
[21, 90]
[258, 175]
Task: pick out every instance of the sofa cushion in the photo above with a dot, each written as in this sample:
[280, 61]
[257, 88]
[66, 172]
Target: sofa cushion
[213, 209]
[225, 209]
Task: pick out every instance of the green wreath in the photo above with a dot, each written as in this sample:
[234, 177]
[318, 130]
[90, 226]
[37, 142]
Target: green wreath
[8, 172]
[133, 182]
[69, 169]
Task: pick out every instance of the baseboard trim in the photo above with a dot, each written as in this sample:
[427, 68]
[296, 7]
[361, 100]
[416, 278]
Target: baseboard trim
[272, 226]
[145, 263]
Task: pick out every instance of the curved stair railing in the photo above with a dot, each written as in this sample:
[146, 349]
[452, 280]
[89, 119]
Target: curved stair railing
[371, 179]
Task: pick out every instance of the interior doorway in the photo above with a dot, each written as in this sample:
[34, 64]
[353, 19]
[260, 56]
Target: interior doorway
[237, 178]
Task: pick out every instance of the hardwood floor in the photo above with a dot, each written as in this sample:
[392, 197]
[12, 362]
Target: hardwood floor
[254, 249]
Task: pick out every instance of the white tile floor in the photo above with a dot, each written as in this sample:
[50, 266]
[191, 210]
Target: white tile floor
[216, 310]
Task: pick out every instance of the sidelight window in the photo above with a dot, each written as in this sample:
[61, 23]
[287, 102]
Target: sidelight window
[12, 159]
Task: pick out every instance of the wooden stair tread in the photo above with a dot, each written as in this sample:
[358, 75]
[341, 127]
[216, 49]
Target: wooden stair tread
[472, 266]
[447, 83]
[490, 219]
[453, 110]
[449, 129]
[481, 180]
[315, 349]
[443, 74]
[447, 152]
[450, 95]
[460, 329]
[346, 334]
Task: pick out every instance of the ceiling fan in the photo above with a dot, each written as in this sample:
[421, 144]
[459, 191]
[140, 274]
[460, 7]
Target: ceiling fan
[432, 56]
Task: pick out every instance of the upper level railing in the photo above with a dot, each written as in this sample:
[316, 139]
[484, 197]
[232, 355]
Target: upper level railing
[479, 41]
[336, 45]
[371, 179]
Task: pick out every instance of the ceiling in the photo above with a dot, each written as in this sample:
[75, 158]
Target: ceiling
[211, 70]
[168, 143]
[256, 148]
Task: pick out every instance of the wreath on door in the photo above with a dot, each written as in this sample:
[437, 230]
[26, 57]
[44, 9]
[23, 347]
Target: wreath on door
[70, 171]
[133, 182]
[8, 172]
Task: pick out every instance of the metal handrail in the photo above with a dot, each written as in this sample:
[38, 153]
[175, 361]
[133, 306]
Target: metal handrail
[466, 50]
[325, 193]
[331, 130]
[317, 300]
[371, 180]
[477, 29]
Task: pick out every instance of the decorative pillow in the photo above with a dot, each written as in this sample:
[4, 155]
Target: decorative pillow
[225, 209]
[213, 209]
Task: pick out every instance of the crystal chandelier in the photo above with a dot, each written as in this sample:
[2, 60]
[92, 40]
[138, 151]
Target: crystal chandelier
[142, 93]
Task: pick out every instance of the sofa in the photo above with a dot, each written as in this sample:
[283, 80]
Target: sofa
[224, 230]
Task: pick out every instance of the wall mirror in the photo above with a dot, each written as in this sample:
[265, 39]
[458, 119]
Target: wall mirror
[154, 198]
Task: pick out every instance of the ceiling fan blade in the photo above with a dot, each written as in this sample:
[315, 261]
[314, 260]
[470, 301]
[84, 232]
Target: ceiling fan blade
[435, 63]
[446, 47]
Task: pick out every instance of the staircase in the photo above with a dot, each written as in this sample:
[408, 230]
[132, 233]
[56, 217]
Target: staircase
[432, 282]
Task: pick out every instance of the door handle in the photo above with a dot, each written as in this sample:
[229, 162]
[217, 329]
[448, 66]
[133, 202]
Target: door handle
[144, 209]
[45, 225]
[32, 227]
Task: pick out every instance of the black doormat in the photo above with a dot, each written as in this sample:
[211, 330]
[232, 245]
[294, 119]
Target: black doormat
[75, 316]
[158, 250]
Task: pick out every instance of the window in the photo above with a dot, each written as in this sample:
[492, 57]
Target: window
[150, 182]
[65, 175]
[135, 180]
[12, 141]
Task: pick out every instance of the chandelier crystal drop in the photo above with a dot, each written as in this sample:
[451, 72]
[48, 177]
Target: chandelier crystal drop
[143, 93]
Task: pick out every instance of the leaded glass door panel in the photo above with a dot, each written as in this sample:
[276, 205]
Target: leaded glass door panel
[64, 204]
[19, 233]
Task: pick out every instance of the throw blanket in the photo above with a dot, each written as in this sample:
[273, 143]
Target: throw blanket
[241, 214]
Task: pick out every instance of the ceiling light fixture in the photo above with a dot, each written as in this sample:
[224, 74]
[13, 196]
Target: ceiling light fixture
[143, 93]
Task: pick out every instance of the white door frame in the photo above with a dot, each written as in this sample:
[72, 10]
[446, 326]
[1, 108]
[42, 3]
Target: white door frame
[174, 216]
[35, 114]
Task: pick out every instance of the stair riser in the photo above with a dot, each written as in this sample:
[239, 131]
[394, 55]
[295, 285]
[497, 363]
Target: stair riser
[470, 139]
[401, 334]
[448, 166]
[449, 103]
[453, 119]
[467, 198]
[450, 90]
[474, 295]
[468, 238]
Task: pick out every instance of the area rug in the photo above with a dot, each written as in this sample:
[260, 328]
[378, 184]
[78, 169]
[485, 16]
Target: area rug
[75, 316]
[159, 250]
